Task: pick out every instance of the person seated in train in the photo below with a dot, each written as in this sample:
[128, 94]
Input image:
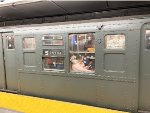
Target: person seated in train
[79, 66]
[73, 58]
[89, 62]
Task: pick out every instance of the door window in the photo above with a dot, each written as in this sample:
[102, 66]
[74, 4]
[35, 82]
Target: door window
[10, 42]
[147, 39]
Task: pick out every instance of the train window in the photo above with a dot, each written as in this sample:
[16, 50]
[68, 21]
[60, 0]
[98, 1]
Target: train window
[29, 43]
[82, 52]
[147, 39]
[10, 42]
[55, 40]
[115, 41]
[53, 53]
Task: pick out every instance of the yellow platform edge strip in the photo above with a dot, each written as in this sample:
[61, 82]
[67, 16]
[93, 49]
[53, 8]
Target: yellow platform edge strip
[28, 104]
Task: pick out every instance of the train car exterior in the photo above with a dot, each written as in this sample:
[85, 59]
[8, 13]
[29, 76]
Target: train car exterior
[90, 62]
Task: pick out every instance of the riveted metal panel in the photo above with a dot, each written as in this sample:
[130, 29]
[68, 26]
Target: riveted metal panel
[30, 83]
[72, 89]
[117, 95]
[117, 59]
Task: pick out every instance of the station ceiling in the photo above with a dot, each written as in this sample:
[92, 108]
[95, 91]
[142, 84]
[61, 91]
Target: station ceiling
[27, 9]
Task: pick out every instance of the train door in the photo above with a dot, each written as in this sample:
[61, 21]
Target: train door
[144, 94]
[119, 56]
[8, 62]
[2, 72]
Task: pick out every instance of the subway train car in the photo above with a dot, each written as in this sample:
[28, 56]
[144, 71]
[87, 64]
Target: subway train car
[100, 62]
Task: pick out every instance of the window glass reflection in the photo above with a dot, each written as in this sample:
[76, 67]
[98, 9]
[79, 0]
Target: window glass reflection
[29, 43]
[147, 39]
[56, 40]
[52, 63]
[115, 42]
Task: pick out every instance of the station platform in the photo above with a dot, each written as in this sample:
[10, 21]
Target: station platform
[14, 103]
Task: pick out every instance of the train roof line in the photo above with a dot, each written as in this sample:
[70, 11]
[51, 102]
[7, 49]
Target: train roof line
[93, 24]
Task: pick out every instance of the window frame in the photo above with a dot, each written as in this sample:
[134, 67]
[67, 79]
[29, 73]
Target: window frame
[113, 49]
[53, 47]
[82, 52]
[29, 49]
[52, 35]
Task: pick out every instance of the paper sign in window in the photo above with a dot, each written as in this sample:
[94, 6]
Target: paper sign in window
[115, 42]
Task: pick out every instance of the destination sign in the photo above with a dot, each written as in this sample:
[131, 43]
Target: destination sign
[54, 52]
